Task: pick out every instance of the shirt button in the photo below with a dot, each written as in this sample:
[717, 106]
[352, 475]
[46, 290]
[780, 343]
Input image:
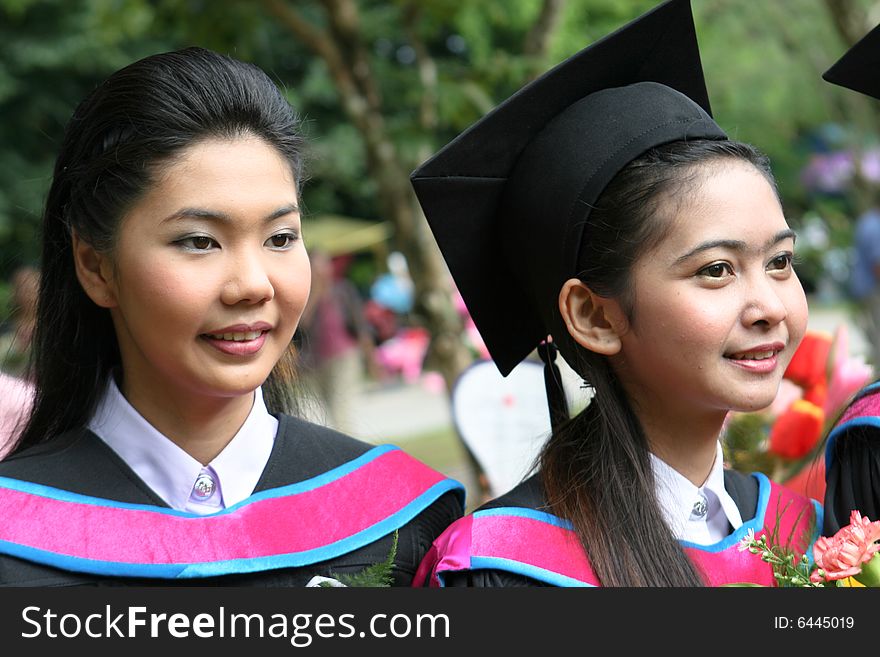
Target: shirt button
[701, 506]
[204, 487]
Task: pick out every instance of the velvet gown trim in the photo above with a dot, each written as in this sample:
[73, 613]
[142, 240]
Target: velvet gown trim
[347, 507]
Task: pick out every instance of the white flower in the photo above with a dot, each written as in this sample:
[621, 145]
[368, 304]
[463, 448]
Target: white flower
[318, 581]
[747, 541]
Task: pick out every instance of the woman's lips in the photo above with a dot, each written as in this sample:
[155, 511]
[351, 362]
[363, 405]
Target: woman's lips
[244, 343]
[761, 359]
[759, 365]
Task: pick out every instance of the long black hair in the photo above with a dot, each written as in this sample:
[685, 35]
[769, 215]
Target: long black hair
[596, 468]
[117, 140]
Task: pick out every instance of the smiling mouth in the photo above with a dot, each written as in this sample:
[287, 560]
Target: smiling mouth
[753, 355]
[244, 336]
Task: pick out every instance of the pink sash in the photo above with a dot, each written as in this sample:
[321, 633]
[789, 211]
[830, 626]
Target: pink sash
[295, 525]
[544, 547]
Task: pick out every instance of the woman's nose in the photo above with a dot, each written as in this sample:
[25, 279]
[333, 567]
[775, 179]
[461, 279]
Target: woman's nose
[766, 304]
[249, 281]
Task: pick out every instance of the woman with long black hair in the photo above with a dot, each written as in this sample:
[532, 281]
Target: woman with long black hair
[602, 206]
[174, 273]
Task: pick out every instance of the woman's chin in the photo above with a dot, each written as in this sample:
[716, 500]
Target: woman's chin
[754, 404]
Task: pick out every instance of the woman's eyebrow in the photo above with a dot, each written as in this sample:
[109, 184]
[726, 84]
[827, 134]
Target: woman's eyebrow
[737, 245]
[222, 217]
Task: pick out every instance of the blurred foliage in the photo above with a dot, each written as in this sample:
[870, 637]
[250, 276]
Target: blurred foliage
[745, 443]
[762, 60]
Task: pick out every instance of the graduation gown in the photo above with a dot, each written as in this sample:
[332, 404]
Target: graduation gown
[852, 462]
[73, 513]
[514, 541]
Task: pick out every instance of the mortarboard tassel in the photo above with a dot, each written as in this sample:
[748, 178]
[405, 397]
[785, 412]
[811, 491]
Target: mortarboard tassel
[553, 385]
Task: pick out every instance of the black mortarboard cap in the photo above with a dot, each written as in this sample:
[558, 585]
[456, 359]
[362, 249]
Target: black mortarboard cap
[507, 198]
[859, 67]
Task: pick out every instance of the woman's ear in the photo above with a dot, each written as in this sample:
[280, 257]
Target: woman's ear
[595, 322]
[94, 271]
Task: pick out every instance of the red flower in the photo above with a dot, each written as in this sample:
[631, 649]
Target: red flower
[797, 430]
[809, 481]
[808, 366]
[817, 395]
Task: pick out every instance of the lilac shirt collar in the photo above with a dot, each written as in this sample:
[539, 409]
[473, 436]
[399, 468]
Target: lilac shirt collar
[168, 470]
[677, 495]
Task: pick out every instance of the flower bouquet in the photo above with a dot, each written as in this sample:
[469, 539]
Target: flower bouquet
[849, 558]
[783, 440]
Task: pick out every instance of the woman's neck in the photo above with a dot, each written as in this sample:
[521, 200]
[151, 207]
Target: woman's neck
[688, 444]
[200, 426]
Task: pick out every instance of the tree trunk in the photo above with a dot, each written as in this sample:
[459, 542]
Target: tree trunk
[849, 19]
[538, 39]
[341, 48]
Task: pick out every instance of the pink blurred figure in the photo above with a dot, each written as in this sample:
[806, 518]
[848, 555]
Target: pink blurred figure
[404, 353]
[16, 397]
[847, 374]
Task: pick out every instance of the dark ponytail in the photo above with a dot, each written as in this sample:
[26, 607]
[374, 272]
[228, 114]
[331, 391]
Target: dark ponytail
[117, 140]
[596, 468]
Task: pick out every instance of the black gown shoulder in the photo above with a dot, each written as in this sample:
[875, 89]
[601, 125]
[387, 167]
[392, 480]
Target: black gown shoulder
[529, 495]
[80, 462]
[852, 461]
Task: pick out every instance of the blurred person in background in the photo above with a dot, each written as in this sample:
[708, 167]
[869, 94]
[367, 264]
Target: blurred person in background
[390, 300]
[16, 398]
[394, 289]
[865, 278]
[336, 345]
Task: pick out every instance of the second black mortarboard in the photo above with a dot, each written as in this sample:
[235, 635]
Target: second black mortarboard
[859, 67]
[506, 200]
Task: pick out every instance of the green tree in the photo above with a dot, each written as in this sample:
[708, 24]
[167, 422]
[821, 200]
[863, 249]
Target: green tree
[383, 83]
[51, 53]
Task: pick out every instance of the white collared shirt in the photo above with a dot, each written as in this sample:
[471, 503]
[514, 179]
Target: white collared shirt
[172, 473]
[696, 514]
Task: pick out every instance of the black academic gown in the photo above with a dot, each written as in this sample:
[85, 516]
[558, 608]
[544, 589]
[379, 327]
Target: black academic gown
[530, 495]
[80, 462]
[852, 477]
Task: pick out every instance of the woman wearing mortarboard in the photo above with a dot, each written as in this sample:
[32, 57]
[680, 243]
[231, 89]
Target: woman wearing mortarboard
[852, 450]
[602, 206]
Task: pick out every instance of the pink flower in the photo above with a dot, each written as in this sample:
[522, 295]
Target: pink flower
[843, 554]
[846, 374]
[789, 392]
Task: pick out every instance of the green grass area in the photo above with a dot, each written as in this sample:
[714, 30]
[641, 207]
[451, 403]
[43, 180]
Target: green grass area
[440, 448]
[443, 450]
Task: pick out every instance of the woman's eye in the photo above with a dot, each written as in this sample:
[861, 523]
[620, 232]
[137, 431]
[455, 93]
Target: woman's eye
[780, 262]
[281, 240]
[716, 270]
[197, 243]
